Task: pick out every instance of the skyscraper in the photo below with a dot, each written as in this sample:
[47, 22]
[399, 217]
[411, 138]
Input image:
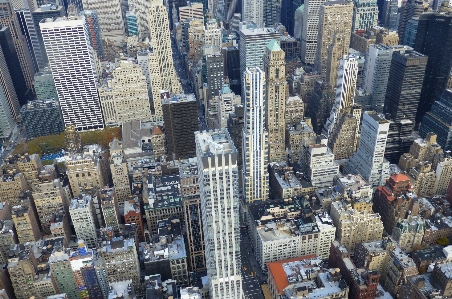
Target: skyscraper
[163, 74]
[309, 30]
[8, 18]
[215, 74]
[13, 65]
[125, 97]
[44, 85]
[277, 91]
[365, 15]
[434, 39]
[376, 73]
[412, 8]
[372, 143]
[9, 104]
[72, 63]
[111, 18]
[219, 190]
[94, 31]
[253, 11]
[333, 40]
[255, 137]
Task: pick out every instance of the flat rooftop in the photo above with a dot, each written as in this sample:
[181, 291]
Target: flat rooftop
[212, 143]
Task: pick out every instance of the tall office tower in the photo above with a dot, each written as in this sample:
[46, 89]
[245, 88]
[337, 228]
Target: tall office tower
[333, 41]
[231, 56]
[286, 14]
[42, 118]
[188, 171]
[389, 14]
[94, 31]
[8, 100]
[26, 221]
[62, 273]
[401, 100]
[443, 175]
[143, 62]
[365, 15]
[255, 138]
[411, 32]
[83, 218]
[49, 199]
[132, 23]
[121, 260]
[277, 91]
[376, 73]
[345, 92]
[110, 209]
[412, 9]
[110, 16]
[253, 11]
[21, 269]
[8, 18]
[71, 60]
[163, 74]
[219, 190]
[270, 13]
[319, 109]
[309, 30]
[180, 115]
[372, 143]
[215, 74]
[44, 85]
[124, 97]
[434, 39]
[253, 41]
[40, 13]
[13, 66]
[404, 84]
[119, 172]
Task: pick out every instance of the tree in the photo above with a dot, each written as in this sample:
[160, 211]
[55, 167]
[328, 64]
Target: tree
[443, 241]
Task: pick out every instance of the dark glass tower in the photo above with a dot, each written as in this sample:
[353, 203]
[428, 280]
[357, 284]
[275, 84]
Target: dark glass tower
[434, 39]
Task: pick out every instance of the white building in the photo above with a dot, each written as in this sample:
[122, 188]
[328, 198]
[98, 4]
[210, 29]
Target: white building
[365, 15]
[227, 101]
[212, 33]
[219, 191]
[376, 74]
[83, 218]
[309, 30]
[255, 138]
[253, 10]
[318, 162]
[190, 293]
[111, 18]
[369, 160]
[345, 91]
[191, 11]
[71, 60]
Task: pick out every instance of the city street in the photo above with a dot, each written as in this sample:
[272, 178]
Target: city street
[252, 277]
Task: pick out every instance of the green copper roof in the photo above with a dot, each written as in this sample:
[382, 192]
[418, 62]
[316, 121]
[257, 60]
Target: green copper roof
[273, 45]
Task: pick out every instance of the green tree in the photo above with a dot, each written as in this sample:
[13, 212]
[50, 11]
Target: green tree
[443, 241]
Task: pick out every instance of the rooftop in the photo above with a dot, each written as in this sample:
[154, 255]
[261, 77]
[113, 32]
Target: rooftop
[166, 248]
[212, 143]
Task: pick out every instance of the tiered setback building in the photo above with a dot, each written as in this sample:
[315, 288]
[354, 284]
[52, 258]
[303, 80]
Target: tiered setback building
[72, 63]
[218, 179]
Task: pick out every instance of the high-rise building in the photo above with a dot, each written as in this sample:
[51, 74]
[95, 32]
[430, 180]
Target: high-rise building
[42, 118]
[217, 166]
[111, 19]
[124, 97]
[21, 269]
[255, 137]
[62, 273]
[11, 66]
[277, 91]
[333, 41]
[26, 221]
[342, 126]
[401, 100]
[83, 217]
[253, 11]
[119, 172]
[110, 209]
[443, 175]
[376, 73]
[439, 121]
[40, 13]
[253, 41]
[231, 56]
[162, 72]
[309, 30]
[44, 85]
[132, 23]
[94, 31]
[319, 109]
[180, 115]
[215, 74]
[270, 9]
[372, 143]
[434, 39]
[72, 63]
[365, 15]
[8, 100]
[412, 9]
[191, 11]
[411, 32]
[9, 19]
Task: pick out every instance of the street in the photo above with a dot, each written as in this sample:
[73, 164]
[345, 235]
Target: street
[252, 277]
